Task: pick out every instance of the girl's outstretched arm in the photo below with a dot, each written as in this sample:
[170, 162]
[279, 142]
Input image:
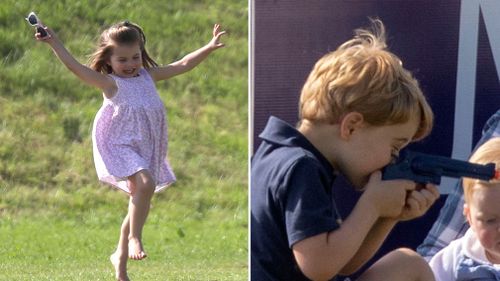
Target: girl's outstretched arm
[86, 74]
[189, 61]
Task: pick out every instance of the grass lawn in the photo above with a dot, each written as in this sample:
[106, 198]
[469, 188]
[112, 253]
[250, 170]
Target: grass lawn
[182, 244]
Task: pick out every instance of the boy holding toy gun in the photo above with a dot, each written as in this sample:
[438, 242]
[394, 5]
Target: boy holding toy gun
[358, 108]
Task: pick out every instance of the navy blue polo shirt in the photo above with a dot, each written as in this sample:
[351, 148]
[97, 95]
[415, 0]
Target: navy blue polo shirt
[291, 199]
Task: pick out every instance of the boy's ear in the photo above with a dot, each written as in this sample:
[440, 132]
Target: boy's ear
[349, 123]
[467, 213]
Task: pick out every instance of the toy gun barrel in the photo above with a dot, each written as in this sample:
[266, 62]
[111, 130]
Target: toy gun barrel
[426, 168]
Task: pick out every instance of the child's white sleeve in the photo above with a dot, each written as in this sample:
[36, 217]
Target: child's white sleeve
[444, 262]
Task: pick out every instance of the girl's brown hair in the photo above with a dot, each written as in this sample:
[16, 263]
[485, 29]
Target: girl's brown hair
[363, 76]
[120, 33]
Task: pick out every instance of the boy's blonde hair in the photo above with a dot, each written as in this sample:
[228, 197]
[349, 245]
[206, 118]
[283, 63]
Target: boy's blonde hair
[489, 152]
[363, 76]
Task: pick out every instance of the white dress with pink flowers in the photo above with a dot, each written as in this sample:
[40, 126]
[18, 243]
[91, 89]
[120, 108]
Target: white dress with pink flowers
[130, 134]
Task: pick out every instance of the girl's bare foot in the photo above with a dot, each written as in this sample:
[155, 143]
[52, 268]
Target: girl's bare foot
[120, 265]
[135, 250]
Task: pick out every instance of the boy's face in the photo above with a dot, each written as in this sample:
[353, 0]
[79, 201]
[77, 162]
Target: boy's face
[483, 214]
[370, 148]
[126, 60]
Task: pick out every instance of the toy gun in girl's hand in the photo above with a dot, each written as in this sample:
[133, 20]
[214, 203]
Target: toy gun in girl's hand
[426, 168]
[35, 21]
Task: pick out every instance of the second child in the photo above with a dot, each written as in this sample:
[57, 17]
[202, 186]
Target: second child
[476, 255]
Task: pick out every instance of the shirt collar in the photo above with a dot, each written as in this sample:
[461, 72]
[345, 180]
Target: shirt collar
[281, 133]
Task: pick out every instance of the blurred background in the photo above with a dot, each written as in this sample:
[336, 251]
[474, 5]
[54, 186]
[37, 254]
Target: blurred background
[56, 221]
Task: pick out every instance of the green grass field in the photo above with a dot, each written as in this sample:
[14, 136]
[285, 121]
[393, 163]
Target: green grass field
[56, 221]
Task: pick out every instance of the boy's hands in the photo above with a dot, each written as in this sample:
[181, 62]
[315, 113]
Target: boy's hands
[418, 202]
[215, 43]
[399, 199]
[387, 198]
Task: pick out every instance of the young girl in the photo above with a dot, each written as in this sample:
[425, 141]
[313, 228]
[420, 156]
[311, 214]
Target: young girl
[130, 130]
[476, 255]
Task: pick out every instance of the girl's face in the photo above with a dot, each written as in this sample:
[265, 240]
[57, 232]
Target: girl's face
[483, 214]
[371, 148]
[126, 60]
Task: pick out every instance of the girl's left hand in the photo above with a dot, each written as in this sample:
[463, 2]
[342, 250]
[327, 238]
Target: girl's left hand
[215, 43]
[419, 201]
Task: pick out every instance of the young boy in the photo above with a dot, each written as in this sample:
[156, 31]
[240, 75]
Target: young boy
[476, 255]
[358, 108]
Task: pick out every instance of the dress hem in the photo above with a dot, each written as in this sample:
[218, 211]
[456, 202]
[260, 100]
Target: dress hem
[114, 181]
[158, 188]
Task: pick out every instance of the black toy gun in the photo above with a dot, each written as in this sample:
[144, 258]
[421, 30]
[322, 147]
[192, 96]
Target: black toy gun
[426, 168]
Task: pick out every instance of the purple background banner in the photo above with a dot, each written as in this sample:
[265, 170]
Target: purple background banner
[290, 36]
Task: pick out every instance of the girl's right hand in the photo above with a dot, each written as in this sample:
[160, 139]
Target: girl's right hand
[387, 198]
[49, 38]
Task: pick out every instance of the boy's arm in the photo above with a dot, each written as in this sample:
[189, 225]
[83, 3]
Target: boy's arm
[189, 61]
[417, 204]
[345, 249]
[86, 74]
[323, 256]
[373, 241]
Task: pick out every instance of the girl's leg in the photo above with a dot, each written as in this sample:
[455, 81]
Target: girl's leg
[142, 188]
[120, 256]
[399, 265]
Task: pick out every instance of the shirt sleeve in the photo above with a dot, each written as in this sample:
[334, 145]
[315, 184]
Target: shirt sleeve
[443, 263]
[309, 207]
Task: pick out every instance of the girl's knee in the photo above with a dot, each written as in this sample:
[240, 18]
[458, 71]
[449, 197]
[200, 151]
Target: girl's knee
[146, 187]
[142, 182]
